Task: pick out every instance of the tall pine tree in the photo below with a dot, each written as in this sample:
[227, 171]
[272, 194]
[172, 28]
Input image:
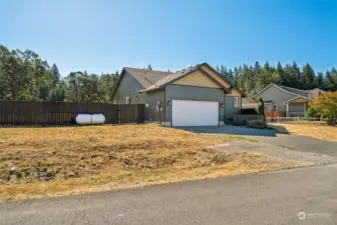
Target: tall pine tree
[307, 77]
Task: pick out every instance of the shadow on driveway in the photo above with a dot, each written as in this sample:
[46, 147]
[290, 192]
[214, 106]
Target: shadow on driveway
[233, 130]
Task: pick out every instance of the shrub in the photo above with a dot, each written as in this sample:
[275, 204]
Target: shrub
[312, 112]
[257, 124]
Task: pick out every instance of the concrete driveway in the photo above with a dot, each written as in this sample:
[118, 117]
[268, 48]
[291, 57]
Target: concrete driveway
[236, 130]
[292, 142]
[268, 198]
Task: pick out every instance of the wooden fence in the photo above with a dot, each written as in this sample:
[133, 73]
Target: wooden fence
[274, 114]
[64, 113]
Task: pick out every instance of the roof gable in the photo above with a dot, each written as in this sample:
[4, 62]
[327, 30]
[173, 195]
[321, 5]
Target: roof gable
[292, 91]
[206, 69]
[197, 78]
[218, 77]
[146, 77]
[299, 99]
[171, 78]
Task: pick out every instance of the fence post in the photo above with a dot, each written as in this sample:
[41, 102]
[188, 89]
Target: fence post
[119, 114]
[298, 118]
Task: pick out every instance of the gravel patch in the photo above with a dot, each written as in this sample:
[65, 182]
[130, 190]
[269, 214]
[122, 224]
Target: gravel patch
[276, 151]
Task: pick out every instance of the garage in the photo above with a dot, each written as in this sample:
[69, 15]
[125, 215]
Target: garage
[195, 113]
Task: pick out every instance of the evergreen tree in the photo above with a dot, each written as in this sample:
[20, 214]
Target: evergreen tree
[217, 68]
[296, 74]
[149, 67]
[329, 81]
[257, 70]
[307, 77]
[223, 70]
[319, 81]
[334, 79]
[55, 74]
[280, 72]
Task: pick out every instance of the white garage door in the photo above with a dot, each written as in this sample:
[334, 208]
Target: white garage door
[195, 113]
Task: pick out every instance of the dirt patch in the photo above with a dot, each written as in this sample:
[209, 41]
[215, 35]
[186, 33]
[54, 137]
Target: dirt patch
[56, 161]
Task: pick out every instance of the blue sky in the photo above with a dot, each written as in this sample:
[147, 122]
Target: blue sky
[105, 35]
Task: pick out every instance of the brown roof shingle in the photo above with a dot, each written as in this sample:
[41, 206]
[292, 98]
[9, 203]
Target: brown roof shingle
[146, 77]
[248, 100]
[171, 77]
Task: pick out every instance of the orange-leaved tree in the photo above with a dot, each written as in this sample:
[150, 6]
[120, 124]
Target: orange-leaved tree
[326, 105]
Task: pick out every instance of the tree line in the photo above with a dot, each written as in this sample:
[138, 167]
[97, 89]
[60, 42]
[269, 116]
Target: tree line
[250, 79]
[25, 76]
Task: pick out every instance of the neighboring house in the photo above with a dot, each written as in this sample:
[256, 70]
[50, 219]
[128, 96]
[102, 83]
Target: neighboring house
[289, 101]
[196, 96]
[316, 92]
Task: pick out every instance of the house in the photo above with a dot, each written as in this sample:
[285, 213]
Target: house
[196, 96]
[286, 100]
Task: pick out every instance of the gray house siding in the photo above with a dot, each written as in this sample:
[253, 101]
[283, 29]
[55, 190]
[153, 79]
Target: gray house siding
[129, 87]
[151, 98]
[229, 109]
[182, 92]
[276, 96]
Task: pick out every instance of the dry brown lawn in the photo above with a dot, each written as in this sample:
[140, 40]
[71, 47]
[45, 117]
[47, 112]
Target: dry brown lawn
[38, 162]
[322, 132]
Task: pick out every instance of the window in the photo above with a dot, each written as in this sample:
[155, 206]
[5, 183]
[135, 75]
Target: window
[274, 107]
[310, 95]
[127, 100]
[236, 102]
[268, 106]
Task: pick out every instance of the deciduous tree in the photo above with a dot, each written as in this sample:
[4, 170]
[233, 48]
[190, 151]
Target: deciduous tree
[326, 105]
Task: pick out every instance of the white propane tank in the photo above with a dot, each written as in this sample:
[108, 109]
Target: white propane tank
[97, 119]
[83, 119]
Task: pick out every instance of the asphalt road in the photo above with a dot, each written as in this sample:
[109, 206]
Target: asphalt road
[269, 198]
